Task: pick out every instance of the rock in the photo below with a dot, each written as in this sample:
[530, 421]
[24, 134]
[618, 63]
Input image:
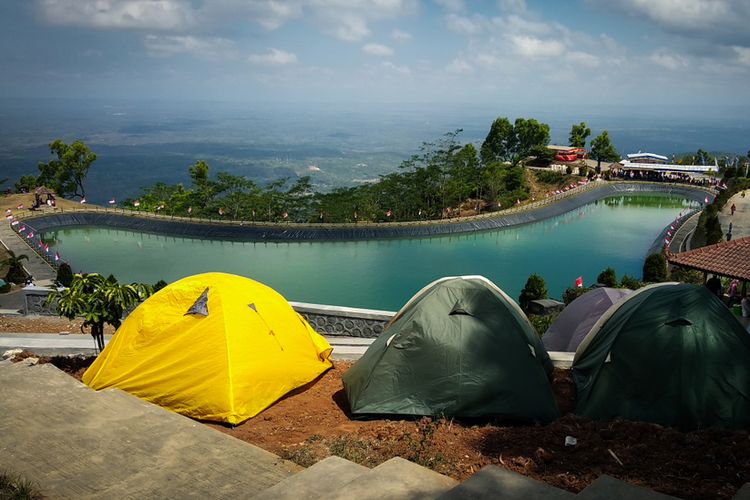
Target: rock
[29, 361]
[10, 354]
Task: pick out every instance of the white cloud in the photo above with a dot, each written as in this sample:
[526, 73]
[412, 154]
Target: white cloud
[517, 6]
[583, 59]
[165, 46]
[451, 5]
[459, 66]
[528, 46]
[668, 61]
[488, 61]
[724, 21]
[350, 28]
[464, 25]
[395, 68]
[274, 57]
[119, 14]
[743, 55]
[376, 49]
[348, 20]
[400, 36]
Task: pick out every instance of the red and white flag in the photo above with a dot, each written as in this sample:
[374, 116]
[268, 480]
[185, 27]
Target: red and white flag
[706, 200]
[666, 241]
[39, 244]
[46, 247]
[20, 206]
[112, 201]
[83, 200]
[136, 203]
[190, 210]
[30, 235]
[579, 282]
[285, 215]
[22, 229]
[388, 213]
[14, 223]
[57, 256]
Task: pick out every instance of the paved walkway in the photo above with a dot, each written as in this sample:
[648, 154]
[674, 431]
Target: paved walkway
[740, 220]
[36, 266]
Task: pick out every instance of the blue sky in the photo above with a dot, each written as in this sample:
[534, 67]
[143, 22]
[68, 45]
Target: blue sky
[533, 53]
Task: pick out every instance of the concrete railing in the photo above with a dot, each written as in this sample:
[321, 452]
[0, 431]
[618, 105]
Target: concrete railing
[326, 320]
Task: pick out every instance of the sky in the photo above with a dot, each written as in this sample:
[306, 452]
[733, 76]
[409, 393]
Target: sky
[534, 53]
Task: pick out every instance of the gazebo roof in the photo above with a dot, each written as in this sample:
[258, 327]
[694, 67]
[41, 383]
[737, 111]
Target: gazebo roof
[728, 258]
[43, 190]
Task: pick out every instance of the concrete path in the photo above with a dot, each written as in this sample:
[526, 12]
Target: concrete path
[77, 443]
[740, 220]
[36, 266]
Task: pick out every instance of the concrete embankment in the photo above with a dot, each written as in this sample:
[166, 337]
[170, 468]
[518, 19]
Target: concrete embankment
[246, 231]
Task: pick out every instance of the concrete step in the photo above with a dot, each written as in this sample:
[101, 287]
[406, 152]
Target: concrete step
[395, 479]
[743, 493]
[316, 481]
[497, 483]
[76, 443]
[609, 488]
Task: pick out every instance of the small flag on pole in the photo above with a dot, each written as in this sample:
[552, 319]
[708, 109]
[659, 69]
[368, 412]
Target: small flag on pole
[83, 200]
[46, 247]
[579, 282]
[22, 229]
[57, 256]
[30, 235]
[706, 200]
[39, 244]
[112, 201]
[136, 203]
[14, 223]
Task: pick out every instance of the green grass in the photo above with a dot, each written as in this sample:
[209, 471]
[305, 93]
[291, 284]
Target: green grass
[17, 488]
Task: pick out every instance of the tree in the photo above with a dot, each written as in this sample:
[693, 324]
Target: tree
[512, 143]
[99, 301]
[607, 278]
[66, 174]
[64, 274]
[603, 150]
[655, 268]
[534, 289]
[16, 273]
[26, 184]
[578, 135]
[630, 282]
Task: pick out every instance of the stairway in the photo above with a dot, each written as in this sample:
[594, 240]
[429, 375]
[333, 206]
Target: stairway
[77, 443]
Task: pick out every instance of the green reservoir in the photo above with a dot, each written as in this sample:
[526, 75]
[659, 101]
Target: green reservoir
[383, 274]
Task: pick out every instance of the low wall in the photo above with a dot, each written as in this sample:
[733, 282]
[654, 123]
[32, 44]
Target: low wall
[326, 320]
[248, 231]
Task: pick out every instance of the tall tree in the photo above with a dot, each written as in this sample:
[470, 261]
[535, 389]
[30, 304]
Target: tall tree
[65, 175]
[578, 135]
[603, 150]
[512, 143]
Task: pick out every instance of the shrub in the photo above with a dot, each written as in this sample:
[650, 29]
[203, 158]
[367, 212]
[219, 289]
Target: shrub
[607, 278]
[541, 323]
[573, 293]
[686, 276]
[630, 282]
[655, 268]
[64, 275]
[534, 289]
[159, 285]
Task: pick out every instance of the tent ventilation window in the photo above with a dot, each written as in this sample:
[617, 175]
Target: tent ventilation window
[252, 306]
[531, 348]
[200, 306]
[678, 322]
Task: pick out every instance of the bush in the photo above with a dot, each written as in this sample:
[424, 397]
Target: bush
[573, 293]
[686, 276]
[542, 323]
[630, 282]
[535, 289]
[607, 278]
[64, 275]
[655, 268]
[159, 285]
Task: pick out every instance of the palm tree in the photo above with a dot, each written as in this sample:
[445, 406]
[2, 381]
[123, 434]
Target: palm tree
[99, 301]
[16, 272]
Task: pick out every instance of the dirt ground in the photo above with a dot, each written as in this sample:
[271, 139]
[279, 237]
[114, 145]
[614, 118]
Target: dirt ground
[312, 423]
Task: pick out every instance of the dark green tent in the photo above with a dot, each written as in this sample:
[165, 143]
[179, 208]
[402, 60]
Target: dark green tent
[671, 354]
[460, 347]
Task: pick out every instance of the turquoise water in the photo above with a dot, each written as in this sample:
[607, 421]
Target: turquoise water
[383, 274]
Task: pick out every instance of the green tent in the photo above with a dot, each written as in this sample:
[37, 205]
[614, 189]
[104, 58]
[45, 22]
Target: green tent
[459, 348]
[671, 354]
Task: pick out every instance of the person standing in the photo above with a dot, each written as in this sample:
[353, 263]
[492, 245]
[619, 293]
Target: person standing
[733, 208]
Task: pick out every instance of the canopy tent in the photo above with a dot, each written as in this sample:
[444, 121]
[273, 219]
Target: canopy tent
[213, 347]
[460, 347]
[668, 353]
[575, 321]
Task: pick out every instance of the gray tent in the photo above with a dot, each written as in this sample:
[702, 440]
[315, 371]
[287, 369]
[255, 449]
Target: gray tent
[575, 321]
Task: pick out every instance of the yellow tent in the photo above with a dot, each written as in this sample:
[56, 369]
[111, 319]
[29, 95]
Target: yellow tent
[213, 347]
